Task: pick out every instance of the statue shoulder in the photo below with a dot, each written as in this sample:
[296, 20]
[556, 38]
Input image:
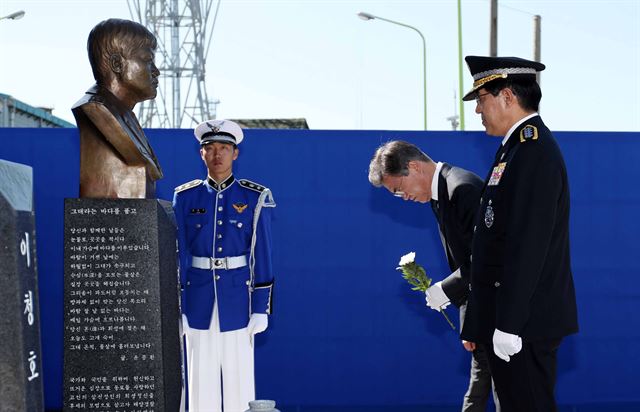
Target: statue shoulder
[91, 96]
[188, 185]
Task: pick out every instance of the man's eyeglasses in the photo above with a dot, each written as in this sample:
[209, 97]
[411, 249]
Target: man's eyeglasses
[479, 97]
[398, 192]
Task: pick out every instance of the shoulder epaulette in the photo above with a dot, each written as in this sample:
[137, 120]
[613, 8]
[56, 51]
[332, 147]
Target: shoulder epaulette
[529, 132]
[188, 185]
[252, 185]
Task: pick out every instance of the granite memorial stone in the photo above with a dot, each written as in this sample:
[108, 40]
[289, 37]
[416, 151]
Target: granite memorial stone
[122, 349]
[20, 356]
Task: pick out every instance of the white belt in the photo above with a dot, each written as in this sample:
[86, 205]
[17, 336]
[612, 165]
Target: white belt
[229, 262]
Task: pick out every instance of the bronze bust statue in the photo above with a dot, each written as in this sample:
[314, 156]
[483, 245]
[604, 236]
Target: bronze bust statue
[116, 160]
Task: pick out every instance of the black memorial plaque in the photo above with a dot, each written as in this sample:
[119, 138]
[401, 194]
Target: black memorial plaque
[121, 339]
[20, 356]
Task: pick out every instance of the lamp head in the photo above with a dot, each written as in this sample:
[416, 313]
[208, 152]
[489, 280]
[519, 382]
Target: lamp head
[366, 16]
[16, 15]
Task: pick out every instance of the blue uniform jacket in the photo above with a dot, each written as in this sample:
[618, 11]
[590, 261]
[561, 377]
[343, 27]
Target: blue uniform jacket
[229, 219]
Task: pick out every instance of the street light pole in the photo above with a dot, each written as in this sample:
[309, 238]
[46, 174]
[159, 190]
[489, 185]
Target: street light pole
[460, 82]
[367, 16]
[14, 16]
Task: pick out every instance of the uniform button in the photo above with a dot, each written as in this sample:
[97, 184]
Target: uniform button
[188, 283]
[220, 196]
[474, 227]
[198, 225]
[470, 258]
[217, 277]
[219, 249]
[219, 235]
[219, 222]
[224, 185]
[480, 200]
[248, 282]
[469, 287]
[497, 284]
[219, 208]
[239, 224]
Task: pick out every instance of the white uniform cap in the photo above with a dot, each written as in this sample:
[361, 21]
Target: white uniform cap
[224, 131]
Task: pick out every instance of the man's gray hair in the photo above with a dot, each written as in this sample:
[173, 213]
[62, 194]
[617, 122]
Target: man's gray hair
[392, 159]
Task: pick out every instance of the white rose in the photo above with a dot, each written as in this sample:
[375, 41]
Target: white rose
[408, 258]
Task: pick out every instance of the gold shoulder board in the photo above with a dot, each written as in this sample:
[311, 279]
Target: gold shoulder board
[529, 132]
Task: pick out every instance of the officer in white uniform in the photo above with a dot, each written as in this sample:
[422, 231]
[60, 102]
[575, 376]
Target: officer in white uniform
[224, 242]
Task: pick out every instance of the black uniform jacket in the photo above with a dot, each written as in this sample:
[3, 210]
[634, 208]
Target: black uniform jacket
[521, 280]
[458, 194]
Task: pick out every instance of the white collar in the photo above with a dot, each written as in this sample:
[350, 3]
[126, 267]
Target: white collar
[516, 124]
[434, 182]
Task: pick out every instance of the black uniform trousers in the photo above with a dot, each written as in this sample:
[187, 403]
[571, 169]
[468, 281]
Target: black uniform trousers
[526, 383]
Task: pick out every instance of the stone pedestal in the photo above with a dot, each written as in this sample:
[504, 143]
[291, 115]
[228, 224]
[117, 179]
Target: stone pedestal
[122, 349]
[20, 356]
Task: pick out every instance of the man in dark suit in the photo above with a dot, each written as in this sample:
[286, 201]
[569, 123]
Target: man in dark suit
[522, 301]
[404, 170]
[116, 160]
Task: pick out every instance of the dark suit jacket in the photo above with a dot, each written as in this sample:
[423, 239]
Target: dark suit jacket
[458, 196]
[116, 160]
[521, 280]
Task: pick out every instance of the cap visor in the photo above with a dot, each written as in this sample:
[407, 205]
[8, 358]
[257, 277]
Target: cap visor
[470, 96]
[219, 138]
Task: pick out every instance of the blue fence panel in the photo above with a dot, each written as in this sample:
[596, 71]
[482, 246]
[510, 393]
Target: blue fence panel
[346, 329]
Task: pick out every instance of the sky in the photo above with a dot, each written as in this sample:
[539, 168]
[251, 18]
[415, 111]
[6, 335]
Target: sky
[317, 60]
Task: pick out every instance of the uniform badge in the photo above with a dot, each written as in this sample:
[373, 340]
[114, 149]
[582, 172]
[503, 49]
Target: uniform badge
[528, 132]
[198, 211]
[496, 174]
[489, 216]
[239, 207]
[214, 128]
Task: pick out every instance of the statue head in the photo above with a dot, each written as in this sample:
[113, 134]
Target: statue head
[121, 53]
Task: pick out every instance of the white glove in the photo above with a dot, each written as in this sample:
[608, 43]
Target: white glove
[506, 345]
[258, 322]
[436, 298]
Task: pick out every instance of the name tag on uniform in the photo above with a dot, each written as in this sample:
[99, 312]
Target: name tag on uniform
[496, 174]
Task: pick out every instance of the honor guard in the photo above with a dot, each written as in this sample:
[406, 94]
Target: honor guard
[224, 242]
[522, 297]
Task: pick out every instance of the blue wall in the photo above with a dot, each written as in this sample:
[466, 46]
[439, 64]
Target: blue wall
[347, 330]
